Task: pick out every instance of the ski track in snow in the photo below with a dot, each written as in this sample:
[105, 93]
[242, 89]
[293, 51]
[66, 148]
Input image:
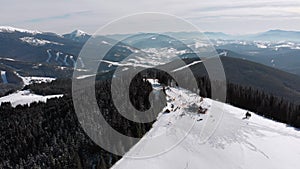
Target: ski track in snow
[3, 76]
[72, 59]
[57, 56]
[81, 62]
[245, 144]
[49, 55]
[65, 60]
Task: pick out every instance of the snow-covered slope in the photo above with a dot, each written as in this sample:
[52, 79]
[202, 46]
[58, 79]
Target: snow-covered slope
[10, 29]
[37, 42]
[31, 79]
[78, 35]
[3, 77]
[25, 97]
[178, 141]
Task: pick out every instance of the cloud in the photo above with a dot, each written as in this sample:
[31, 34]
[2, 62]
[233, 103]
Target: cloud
[250, 5]
[63, 16]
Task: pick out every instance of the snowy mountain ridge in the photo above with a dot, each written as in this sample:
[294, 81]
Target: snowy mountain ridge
[38, 42]
[10, 29]
[180, 139]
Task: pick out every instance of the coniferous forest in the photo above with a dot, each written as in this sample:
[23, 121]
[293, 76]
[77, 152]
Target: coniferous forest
[48, 135]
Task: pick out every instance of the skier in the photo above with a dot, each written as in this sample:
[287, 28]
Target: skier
[247, 115]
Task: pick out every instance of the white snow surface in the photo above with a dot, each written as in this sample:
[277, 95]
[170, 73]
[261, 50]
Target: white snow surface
[38, 42]
[125, 64]
[31, 79]
[65, 60]
[262, 45]
[10, 29]
[107, 43]
[275, 45]
[49, 55]
[25, 97]
[224, 53]
[157, 56]
[235, 144]
[150, 57]
[9, 59]
[78, 33]
[3, 77]
[27, 80]
[85, 76]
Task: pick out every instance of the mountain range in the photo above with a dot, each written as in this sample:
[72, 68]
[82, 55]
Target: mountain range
[197, 131]
[271, 35]
[35, 53]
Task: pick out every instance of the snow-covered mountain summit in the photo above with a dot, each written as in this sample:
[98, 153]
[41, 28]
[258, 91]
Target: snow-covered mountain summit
[78, 35]
[178, 141]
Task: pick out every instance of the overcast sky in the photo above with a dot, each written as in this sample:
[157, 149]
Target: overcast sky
[229, 16]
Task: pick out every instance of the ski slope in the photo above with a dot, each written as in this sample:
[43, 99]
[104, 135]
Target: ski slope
[3, 77]
[178, 141]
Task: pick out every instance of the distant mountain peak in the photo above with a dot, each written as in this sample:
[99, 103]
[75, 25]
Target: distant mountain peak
[77, 33]
[281, 31]
[220, 33]
[276, 30]
[9, 29]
